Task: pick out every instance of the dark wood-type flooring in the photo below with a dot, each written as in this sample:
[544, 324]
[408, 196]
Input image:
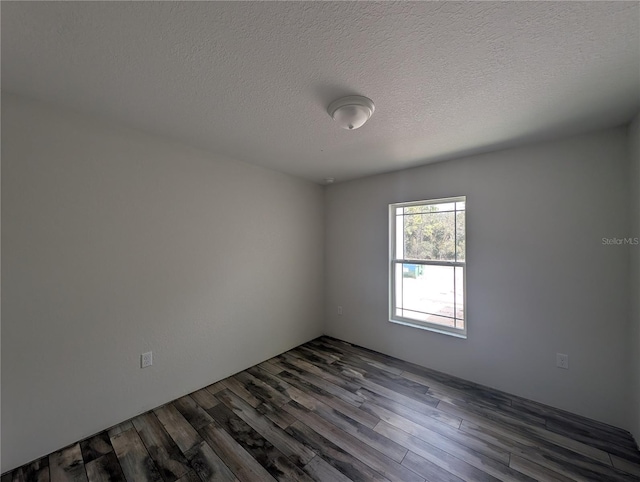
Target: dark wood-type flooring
[332, 411]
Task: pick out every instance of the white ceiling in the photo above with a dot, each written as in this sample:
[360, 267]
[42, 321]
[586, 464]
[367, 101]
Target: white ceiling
[252, 80]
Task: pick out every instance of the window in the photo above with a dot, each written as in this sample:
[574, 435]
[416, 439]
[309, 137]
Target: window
[427, 264]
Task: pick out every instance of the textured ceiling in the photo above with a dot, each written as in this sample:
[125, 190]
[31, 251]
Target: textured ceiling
[252, 80]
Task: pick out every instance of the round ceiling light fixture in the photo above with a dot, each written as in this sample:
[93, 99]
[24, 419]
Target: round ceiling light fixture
[351, 112]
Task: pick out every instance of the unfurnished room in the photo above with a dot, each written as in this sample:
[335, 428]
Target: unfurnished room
[320, 241]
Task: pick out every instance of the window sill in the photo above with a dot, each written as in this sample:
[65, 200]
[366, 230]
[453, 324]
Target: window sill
[430, 328]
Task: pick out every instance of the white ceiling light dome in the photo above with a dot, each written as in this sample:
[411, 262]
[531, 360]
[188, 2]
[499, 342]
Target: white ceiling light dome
[351, 112]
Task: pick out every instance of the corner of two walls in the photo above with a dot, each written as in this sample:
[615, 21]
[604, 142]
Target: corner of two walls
[115, 243]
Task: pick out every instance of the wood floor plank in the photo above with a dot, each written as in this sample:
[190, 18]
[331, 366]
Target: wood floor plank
[467, 463]
[115, 430]
[453, 386]
[385, 378]
[205, 398]
[286, 389]
[67, 465]
[536, 471]
[310, 354]
[525, 434]
[598, 429]
[239, 389]
[441, 435]
[442, 391]
[256, 387]
[348, 348]
[278, 416]
[241, 463]
[207, 464]
[275, 363]
[270, 366]
[169, 460]
[95, 447]
[428, 469]
[489, 413]
[417, 403]
[381, 366]
[366, 419]
[626, 465]
[417, 412]
[558, 459]
[15, 476]
[338, 458]
[192, 412]
[215, 387]
[389, 383]
[324, 355]
[272, 459]
[36, 471]
[293, 449]
[386, 387]
[137, 465]
[483, 392]
[190, 477]
[373, 458]
[507, 410]
[182, 432]
[321, 471]
[321, 343]
[588, 437]
[323, 384]
[299, 361]
[361, 432]
[105, 469]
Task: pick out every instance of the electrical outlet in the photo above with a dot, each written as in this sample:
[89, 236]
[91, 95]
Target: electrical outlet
[340, 310]
[146, 359]
[562, 361]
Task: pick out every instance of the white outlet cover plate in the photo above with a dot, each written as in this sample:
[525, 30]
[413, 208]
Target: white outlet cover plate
[146, 359]
[562, 361]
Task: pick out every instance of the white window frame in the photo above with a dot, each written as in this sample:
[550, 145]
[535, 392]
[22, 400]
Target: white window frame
[393, 261]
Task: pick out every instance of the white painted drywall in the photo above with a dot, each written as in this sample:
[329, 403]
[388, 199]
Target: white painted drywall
[634, 152]
[539, 279]
[115, 243]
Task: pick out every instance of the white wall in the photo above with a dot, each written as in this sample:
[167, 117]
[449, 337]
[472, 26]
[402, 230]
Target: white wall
[115, 243]
[634, 144]
[539, 280]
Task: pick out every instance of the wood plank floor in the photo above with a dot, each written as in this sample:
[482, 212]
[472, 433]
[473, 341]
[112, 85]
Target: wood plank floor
[332, 411]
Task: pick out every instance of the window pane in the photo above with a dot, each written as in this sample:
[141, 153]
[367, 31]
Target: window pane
[460, 236]
[460, 296]
[428, 293]
[399, 245]
[429, 208]
[398, 285]
[429, 318]
[429, 236]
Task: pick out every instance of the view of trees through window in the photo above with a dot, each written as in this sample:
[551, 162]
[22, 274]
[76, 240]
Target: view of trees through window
[434, 231]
